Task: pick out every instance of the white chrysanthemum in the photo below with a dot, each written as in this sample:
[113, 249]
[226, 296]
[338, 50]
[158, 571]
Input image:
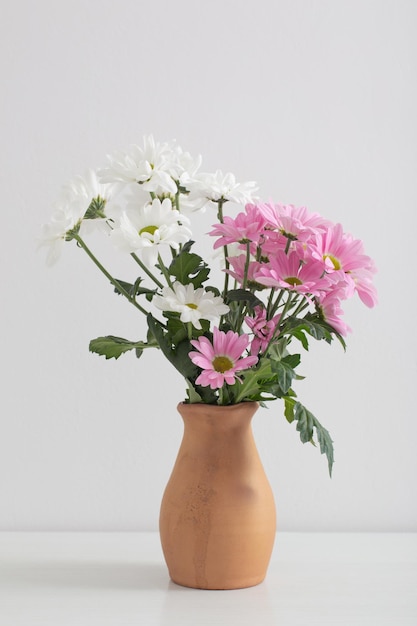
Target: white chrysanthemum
[207, 189]
[85, 195]
[193, 304]
[150, 228]
[150, 165]
[53, 235]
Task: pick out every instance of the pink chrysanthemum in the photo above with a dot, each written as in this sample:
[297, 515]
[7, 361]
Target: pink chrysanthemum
[341, 254]
[331, 310]
[262, 329]
[237, 268]
[245, 227]
[289, 271]
[221, 359]
[293, 222]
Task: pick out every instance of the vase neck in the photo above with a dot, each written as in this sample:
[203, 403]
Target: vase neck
[213, 421]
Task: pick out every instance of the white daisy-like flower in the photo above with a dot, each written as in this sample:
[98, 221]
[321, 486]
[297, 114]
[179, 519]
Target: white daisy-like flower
[151, 228]
[193, 304]
[150, 165]
[209, 189]
[53, 234]
[94, 200]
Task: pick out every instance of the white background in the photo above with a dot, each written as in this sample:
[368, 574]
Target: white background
[316, 101]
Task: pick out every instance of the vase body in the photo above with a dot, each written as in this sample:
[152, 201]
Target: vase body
[217, 521]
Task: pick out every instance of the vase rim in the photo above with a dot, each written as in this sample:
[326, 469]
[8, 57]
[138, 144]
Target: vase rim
[227, 407]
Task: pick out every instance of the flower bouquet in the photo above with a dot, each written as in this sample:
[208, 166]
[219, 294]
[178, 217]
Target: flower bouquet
[286, 273]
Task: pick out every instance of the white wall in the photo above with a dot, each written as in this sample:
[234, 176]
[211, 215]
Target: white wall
[315, 100]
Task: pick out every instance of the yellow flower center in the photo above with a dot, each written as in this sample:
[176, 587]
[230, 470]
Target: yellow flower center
[293, 280]
[148, 229]
[221, 364]
[191, 305]
[336, 263]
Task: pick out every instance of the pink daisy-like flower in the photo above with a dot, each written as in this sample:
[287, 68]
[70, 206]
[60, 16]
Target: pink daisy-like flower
[237, 265]
[262, 329]
[221, 359]
[289, 271]
[245, 227]
[330, 309]
[339, 251]
[341, 254]
[293, 222]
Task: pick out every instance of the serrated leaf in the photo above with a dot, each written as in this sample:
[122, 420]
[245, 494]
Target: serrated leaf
[250, 385]
[306, 423]
[178, 356]
[193, 396]
[285, 374]
[293, 360]
[135, 289]
[300, 335]
[112, 347]
[315, 326]
[289, 403]
[242, 295]
[188, 267]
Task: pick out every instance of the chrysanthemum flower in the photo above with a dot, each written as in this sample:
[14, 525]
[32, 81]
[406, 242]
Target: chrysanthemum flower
[245, 227]
[289, 271]
[193, 304]
[221, 359]
[341, 254]
[150, 228]
[330, 309]
[237, 266]
[209, 189]
[53, 235]
[262, 329]
[151, 165]
[293, 222]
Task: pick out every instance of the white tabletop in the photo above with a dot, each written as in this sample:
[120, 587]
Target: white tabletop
[118, 579]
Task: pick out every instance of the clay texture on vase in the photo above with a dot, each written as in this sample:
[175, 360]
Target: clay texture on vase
[217, 521]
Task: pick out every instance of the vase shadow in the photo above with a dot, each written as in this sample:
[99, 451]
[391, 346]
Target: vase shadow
[88, 575]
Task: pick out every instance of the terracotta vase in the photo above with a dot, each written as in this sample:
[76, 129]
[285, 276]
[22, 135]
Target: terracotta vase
[217, 522]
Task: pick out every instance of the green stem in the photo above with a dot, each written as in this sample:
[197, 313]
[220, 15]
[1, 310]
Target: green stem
[287, 247]
[241, 313]
[225, 251]
[164, 271]
[303, 305]
[113, 281]
[269, 305]
[146, 270]
[275, 306]
[292, 300]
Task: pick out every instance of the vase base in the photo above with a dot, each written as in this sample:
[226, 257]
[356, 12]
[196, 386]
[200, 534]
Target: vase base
[221, 585]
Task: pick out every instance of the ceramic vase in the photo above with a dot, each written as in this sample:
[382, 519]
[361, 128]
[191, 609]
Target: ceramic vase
[217, 520]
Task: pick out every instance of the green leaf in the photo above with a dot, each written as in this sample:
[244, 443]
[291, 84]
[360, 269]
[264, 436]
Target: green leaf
[251, 378]
[300, 335]
[306, 423]
[285, 374]
[317, 331]
[135, 289]
[242, 295]
[193, 396]
[177, 330]
[289, 403]
[188, 267]
[292, 360]
[315, 326]
[112, 347]
[179, 356]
